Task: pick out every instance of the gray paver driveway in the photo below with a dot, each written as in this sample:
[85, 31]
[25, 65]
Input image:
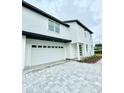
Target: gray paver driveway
[71, 77]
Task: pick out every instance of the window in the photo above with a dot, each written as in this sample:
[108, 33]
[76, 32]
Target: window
[90, 36]
[39, 46]
[87, 47]
[44, 46]
[57, 27]
[85, 33]
[80, 50]
[54, 26]
[49, 46]
[34, 46]
[51, 25]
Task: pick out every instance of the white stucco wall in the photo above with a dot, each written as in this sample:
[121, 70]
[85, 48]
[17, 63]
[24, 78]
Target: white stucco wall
[77, 35]
[73, 32]
[74, 51]
[23, 50]
[28, 54]
[36, 23]
[68, 50]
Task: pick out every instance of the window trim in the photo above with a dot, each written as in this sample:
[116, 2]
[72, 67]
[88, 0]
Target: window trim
[56, 25]
[51, 25]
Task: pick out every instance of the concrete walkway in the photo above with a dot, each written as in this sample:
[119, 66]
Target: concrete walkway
[71, 77]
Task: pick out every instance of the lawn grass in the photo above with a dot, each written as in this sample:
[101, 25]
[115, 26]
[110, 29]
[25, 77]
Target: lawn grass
[92, 59]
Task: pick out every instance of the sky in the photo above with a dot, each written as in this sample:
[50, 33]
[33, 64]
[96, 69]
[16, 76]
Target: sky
[86, 11]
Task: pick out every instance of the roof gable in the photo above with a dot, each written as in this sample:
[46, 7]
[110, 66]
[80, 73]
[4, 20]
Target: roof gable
[79, 23]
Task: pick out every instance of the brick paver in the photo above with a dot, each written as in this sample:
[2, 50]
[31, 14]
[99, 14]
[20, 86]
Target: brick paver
[71, 77]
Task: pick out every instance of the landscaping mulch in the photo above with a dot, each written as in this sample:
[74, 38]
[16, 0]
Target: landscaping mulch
[92, 59]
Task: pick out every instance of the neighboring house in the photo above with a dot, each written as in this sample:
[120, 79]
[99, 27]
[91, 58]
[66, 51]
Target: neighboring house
[47, 39]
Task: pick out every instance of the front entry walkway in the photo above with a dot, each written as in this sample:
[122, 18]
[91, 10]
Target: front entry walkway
[71, 77]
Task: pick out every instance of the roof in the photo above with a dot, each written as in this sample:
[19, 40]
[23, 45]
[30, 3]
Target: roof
[43, 37]
[29, 6]
[78, 22]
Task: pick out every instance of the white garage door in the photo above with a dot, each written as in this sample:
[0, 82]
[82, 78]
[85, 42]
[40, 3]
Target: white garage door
[46, 51]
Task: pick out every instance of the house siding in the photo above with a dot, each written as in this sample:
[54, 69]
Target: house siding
[77, 34]
[23, 50]
[74, 51]
[36, 23]
[73, 32]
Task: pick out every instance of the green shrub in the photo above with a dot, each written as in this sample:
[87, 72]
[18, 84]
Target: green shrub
[92, 59]
[98, 52]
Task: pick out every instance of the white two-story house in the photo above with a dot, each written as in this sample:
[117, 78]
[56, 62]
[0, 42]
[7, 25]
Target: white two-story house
[46, 39]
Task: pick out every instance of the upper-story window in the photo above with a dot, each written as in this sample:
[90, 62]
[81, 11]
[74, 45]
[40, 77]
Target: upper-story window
[57, 27]
[90, 36]
[85, 33]
[54, 26]
[51, 25]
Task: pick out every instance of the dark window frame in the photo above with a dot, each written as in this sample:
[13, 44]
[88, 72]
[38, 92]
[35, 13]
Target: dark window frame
[49, 46]
[40, 46]
[62, 47]
[80, 50]
[44, 46]
[34, 46]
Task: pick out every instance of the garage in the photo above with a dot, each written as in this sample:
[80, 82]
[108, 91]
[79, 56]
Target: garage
[42, 49]
[43, 52]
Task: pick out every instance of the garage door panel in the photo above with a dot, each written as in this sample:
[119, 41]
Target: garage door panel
[48, 54]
